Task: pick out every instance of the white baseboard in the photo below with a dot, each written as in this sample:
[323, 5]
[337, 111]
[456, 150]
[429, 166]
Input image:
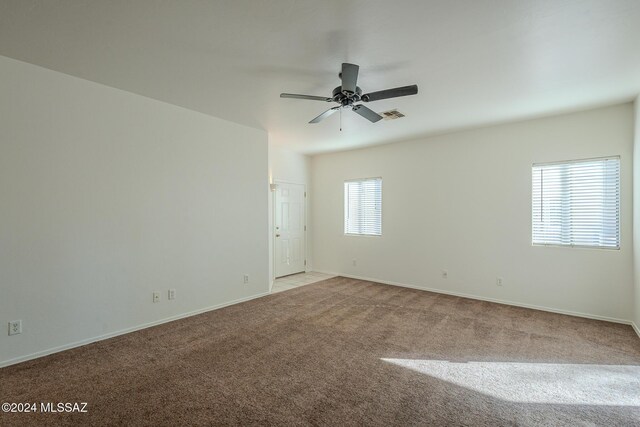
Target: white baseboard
[636, 328]
[218, 306]
[498, 301]
[125, 331]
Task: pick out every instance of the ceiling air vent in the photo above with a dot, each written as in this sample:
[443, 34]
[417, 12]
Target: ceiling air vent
[391, 114]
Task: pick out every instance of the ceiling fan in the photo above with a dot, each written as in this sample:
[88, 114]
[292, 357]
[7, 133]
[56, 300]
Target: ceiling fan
[349, 93]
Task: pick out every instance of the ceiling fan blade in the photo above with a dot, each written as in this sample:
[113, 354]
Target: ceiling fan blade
[324, 115]
[367, 113]
[310, 97]
[390, 93]
[349, 77]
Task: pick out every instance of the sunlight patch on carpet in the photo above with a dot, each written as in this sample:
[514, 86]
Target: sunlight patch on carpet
[569, 384]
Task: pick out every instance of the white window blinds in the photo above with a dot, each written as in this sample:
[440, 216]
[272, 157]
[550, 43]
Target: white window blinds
[577, 203]
[363, 207]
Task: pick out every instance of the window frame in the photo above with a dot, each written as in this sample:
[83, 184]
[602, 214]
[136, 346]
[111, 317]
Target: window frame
[619, 218]
[344, 206]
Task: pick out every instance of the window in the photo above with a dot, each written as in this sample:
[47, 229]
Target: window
[363, 207]
[577, 203]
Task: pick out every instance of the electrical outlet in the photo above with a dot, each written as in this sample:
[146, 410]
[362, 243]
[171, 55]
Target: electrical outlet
[445, 274]
[354, 263]
[246, 278]
[156, 297]
[172, 294]
[499, 281]
[15, 327]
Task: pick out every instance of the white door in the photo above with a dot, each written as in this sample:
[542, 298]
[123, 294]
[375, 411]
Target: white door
[289, 229]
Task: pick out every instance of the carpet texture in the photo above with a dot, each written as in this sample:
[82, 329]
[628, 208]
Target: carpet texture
[345, 352]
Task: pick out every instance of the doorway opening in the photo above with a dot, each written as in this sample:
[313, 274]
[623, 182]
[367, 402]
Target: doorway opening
[289, 229]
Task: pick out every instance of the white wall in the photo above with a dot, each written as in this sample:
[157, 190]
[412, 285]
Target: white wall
[107, 196]
[462, 202]
[636, 216]
[289, 166]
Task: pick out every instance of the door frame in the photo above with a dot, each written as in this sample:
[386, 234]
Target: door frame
[273, 224]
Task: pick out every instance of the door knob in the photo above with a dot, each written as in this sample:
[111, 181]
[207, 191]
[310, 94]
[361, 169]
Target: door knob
[277, 235]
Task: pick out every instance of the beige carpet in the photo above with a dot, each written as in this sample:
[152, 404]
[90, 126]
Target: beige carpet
[345, 352]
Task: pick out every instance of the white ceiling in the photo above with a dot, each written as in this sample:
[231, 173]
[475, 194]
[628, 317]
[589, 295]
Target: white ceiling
[475, 61]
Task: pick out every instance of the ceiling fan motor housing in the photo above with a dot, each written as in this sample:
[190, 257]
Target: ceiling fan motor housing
[346, 98]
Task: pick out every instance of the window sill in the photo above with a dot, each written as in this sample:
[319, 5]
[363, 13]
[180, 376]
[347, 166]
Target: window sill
[552, 245]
